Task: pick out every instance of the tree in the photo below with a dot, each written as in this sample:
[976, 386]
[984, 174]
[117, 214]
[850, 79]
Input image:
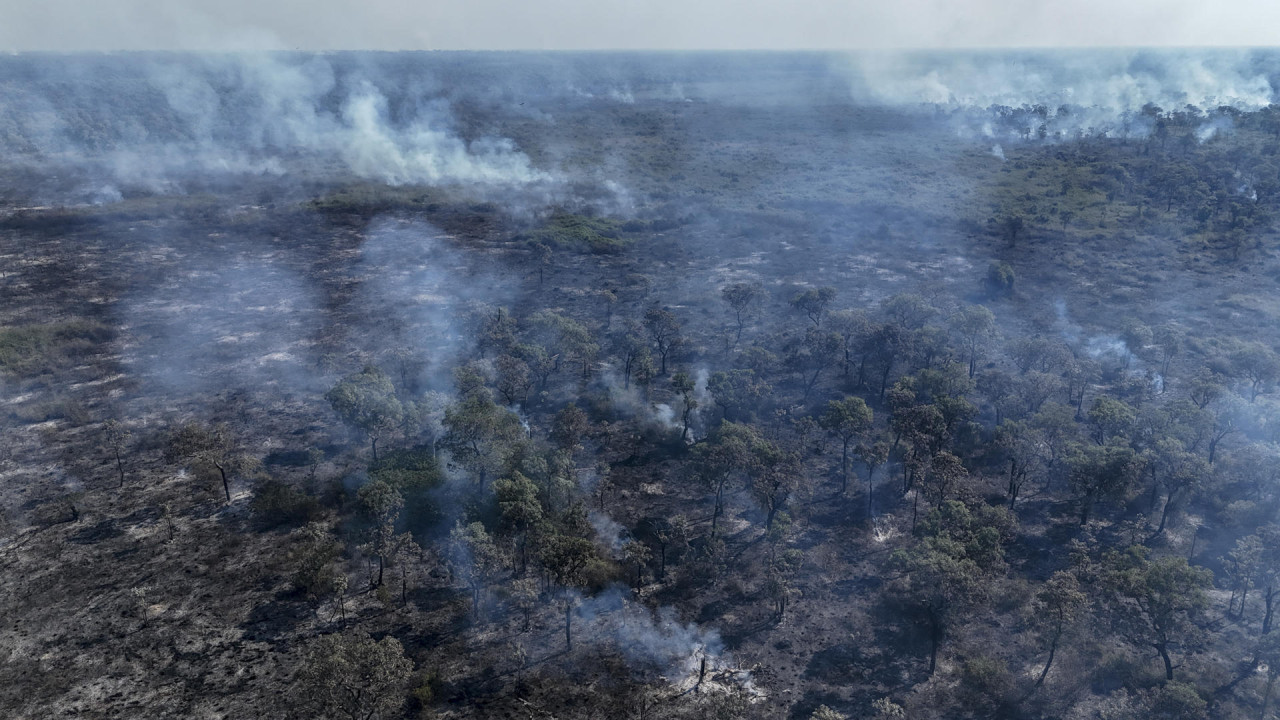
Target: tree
[907, 311]
[1020, 445]
[514, 381]
[1269, 572]
[520, 511]
[672, 534]
[664, 329]
[684, 385]
[476, 558]
[815, 352]
[950, 569]
[353, 676]
[1177, 701]
[737, 392]
[1259, 365]
[873, 456]
[725, 456]
[1056, 607]
[1010, 227]
[740, 296]
[975, 326]
[775, 475]
[209, 447]
[639, 555]
[381, 505]
[1100, 472]
[1241, 565]
[116, 438]
[478, 433]
[567, 558]
[314, 554]
[1178, 472]
[367, 401]
[542, 252]
[569, 426]
[944, 472]
[814, 303]
[1110, 418]
[846, 419]
[1154, 603]
[1268, 653]
[1000, 279]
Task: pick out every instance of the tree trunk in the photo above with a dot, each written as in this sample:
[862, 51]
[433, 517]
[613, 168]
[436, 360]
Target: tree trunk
[844, 468]
[120, 467]
[1168, 662]
[871, 472]
[715, 513]
[1164, 514]
[568, 625]
[1266, 695]
[381, 565]
[935, 640]
[375, 449]
[1269, 599]
[226, 484]
[1053, 650]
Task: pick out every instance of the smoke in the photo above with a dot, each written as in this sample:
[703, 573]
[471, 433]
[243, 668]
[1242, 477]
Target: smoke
[424, 295]
[652, 640]
[158, 123]
[607, 530]
[241, 321]
[1060, 94]
[998, 151]
[1223, 125]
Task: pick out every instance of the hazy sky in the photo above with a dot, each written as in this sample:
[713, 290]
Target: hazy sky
[629, 24]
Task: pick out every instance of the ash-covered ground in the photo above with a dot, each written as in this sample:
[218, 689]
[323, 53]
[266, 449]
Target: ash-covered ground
[907, 386]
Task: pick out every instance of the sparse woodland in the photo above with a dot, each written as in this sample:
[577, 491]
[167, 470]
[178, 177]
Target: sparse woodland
[838, 415]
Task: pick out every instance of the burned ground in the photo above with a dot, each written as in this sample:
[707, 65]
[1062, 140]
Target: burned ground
[244, 302]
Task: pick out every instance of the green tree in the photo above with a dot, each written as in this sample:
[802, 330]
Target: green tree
[353, 676]
[1110, 418]
[520, 511]
[737, 392]
[1020, 445]
[664, 330]
[951, 568]
[638, 554]
[476, 558]
[726, 456]
[975, 327]
[314, 552]
[846, 419]
[873, 455]
[685, 387]
[1154, 604]
[740, 296]
[1100, 472]
[567, 558]
[1056, 607]
[814, 303]
[381, 505]
[569, 427]
[209, 448]
[367, 401]
[1178, 473]
[479, 433]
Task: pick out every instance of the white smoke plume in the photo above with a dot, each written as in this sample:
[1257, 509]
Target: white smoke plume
[255, 113]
